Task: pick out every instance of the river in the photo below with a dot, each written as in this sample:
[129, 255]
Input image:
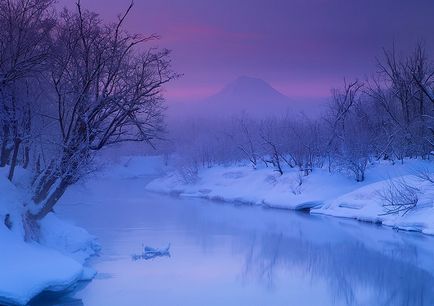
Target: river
[223, 254]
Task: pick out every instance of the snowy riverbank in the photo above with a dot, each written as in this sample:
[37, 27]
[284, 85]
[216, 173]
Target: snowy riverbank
[322, 192]
[56, 263]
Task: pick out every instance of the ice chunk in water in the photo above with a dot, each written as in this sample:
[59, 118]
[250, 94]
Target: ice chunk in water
[150, 253]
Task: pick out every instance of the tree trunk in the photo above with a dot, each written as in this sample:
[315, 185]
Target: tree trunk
[277, 163]
[43, 182]
[52, 199]
[17, 142]
[31, 227]
[37, 170]
[26, 157]
[5, 151]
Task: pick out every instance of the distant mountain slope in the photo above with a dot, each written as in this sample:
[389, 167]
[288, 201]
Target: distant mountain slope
[252, 96]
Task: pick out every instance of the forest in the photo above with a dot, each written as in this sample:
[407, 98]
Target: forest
[388, 116]
[112, 194]
[73, 85]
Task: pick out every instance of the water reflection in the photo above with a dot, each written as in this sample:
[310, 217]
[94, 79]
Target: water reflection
[380, 267]
[64, 298]
[247, 256]
[355, 274]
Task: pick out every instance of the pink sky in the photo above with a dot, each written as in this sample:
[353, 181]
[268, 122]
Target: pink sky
[302, 47]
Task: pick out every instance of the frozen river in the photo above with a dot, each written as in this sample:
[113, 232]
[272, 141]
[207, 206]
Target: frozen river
[238, 255]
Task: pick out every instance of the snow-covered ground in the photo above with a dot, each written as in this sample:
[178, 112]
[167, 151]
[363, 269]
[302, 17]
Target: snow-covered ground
[366, 204]
[322, 192]
[56, 263]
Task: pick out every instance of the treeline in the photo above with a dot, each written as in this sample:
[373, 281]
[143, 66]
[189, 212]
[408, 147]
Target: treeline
[71, 85]
[389, 116]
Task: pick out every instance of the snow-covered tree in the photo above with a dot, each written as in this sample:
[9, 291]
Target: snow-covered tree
[106, 89]
[25, 46]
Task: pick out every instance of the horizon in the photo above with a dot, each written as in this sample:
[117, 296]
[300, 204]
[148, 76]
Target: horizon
[122, 183]
[301, 48]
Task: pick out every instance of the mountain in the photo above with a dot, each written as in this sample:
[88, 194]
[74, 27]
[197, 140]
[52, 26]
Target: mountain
[252, 96]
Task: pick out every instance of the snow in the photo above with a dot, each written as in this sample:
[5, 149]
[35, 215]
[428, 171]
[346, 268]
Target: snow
[28, 268]
[68, 239]
[58, 261]
[151, 253]
[365, 204]
[321, 192]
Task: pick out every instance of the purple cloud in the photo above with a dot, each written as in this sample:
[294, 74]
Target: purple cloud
[301, 47]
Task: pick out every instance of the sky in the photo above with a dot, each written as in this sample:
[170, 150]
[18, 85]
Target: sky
[303, 48]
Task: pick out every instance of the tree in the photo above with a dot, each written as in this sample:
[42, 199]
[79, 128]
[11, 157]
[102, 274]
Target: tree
[25, 27]
[422, 74]
[402, 91]
[107, 89]
[244, 135]
[348, 140]
[305, 144]
[399, 197]
[270, 132]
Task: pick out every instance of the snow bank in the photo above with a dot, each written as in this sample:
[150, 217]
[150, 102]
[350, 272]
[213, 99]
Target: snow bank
[322, 192]
[11, 205]
[54, 264]
[29, 268]
[261, 186]
[365, 204]
[68, 239]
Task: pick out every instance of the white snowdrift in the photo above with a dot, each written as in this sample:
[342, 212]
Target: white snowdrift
[321, 192]
[365, 204]
[27, 269]
[261, 186]
[70, 240]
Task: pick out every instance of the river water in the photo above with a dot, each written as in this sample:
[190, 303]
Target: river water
[223, 254]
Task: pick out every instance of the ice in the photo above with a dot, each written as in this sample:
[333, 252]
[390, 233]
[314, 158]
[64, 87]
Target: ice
[150, 253]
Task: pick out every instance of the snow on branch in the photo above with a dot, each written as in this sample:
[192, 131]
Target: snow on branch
[399, 197]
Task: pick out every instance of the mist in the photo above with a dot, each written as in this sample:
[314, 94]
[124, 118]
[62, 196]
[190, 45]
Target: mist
[227, 153]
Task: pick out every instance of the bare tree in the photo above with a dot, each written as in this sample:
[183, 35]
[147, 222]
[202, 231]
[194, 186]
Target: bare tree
[349, 138]
[245, 138]
[399, 197]
[426, 175]
[25, 27]
[106, 91]
[422, 74]
[305, 145]
[270, 133]
[402, 90]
